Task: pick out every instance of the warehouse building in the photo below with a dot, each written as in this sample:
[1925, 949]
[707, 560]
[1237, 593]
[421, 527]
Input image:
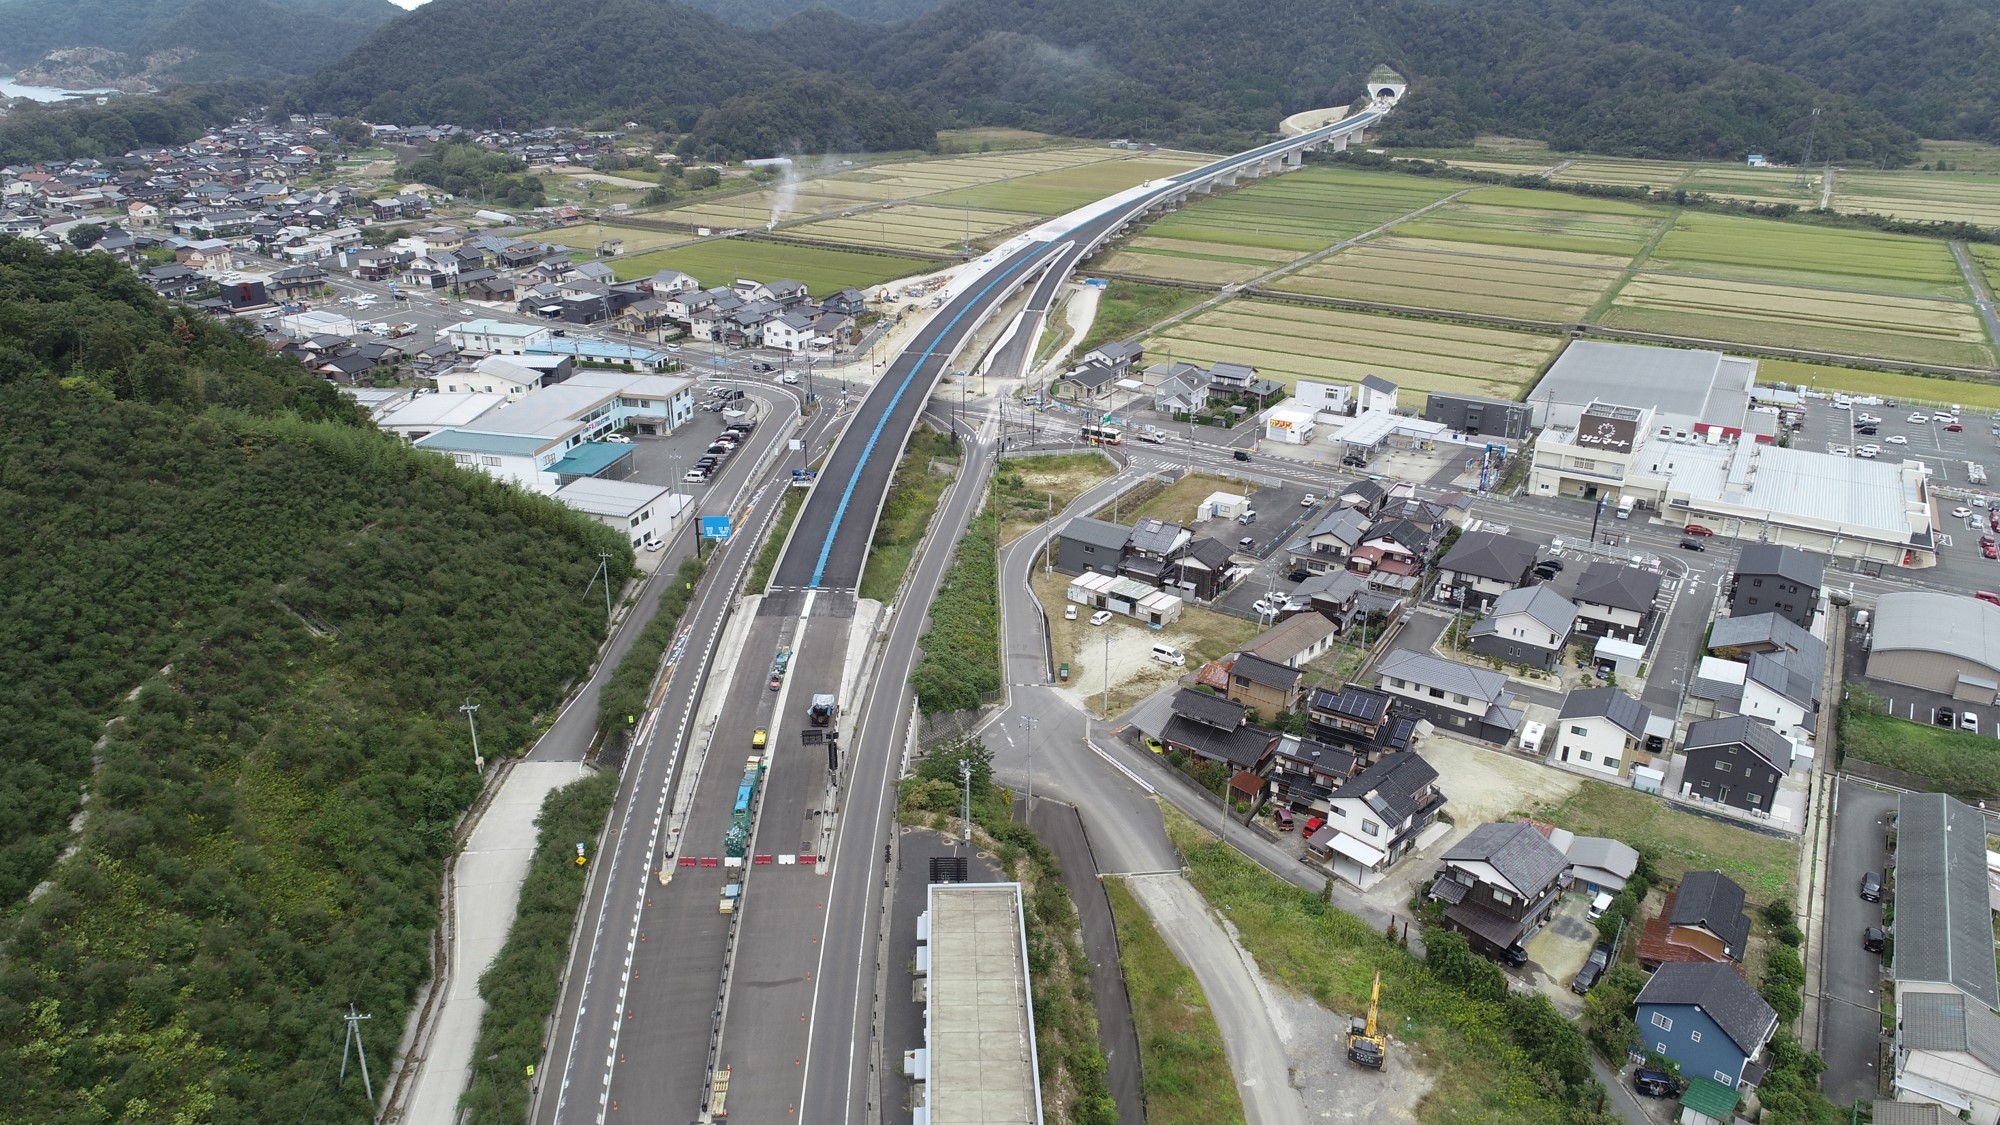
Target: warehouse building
[1944, 643]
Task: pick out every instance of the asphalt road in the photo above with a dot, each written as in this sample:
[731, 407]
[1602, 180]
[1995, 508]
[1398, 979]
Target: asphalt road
[1850, 1026]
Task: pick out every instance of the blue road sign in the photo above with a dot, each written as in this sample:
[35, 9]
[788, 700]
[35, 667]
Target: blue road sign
[715, 527]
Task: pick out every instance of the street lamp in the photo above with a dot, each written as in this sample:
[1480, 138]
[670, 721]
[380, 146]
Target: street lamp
[1031, 722]
[471, 711]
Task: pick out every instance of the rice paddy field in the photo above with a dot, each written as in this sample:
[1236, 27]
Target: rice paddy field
[1968, 197]
[1288, 343]
[1252, 230]
[1067, 188]
[824, 270]
[1656, 174]
[1760, 185]
[911, 226]
[1754, 281]
[1987, 257]
[1545, 285]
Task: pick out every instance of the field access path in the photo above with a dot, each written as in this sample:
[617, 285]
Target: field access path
[1982, 297]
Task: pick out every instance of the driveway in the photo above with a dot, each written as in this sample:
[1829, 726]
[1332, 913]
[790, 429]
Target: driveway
[1850, 1028]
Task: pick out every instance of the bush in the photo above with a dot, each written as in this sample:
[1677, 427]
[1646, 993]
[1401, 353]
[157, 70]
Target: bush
[1784, 979]
[623, 696]
[961, 649]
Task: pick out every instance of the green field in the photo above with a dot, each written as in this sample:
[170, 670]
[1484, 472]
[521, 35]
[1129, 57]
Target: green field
[1987, 257]
[1764, 866]
[995, 138]
[723, 260]
[1764, 185]
[1868, 325]
[1065, 189]
[1288, 343]
[585, 237]
[1961, 764]
[1657, 174]
[1792, 253]
[1968, 197]
[1535, 220]
[1930, 390]
[1524, 284]
[912, 226]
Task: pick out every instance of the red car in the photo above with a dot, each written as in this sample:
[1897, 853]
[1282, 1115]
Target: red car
[1989, 550]
[1697, 529]
[1315, 824]
[1954, 428]
[1987, 596]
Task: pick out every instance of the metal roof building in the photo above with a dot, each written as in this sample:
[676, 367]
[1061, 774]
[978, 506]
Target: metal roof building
[1687, 387]
[1945, 643]
[1944, 917]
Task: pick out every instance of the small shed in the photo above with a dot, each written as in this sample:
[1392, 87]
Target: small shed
[1222, 506]
[1623, 657]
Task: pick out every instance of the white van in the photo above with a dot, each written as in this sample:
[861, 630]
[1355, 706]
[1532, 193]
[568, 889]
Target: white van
[1599, 905]
[1168, 654]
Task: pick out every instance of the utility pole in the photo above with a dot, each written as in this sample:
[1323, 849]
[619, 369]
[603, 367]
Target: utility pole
[965, 779]
[1107, 675]
[603, 571]
[1031, 722]
[471, 710]
[355, 1046]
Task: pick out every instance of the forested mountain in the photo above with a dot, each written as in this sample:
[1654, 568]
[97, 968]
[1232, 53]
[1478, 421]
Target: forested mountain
[764, 13]
[183, 39]
[1676, 78]
[283, 609]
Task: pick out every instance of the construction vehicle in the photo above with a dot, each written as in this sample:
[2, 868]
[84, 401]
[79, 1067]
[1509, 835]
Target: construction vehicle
[1365, 1042]
[825, 709]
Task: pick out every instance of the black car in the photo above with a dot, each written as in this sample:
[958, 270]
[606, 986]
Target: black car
[1354, 461]
[1867, 431]
[1516, 955]
[1873, 938]
[1297, 576]
[1242, 455]
[1655, 1083]
[1871, 887]
[1945, 717]
[760, 367]
[1692, 545]
[1586, 977]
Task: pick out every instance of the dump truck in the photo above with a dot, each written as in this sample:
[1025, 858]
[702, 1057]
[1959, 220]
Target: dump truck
[825, 709]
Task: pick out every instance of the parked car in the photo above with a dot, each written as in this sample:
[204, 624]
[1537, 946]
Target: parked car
[1873, 938]
[1586, 977]
[1918, 419]
[1960, 512]
[1156, 746]
[1101, 617]
[1069, 613]
[1990, 551]
[1246, 543]
[1697, 529]
[1269, 607]
[1249, 515]
[1954, 428]
[1516, 955]
[618, 439]
[1655, 1083]
[1599, 905]
[1897, 439]
[1308, 501]
[1286, 821]
[1550, 564]
[1968, 721]
[1945, 716]
[1297, 576]
[1871, 887]
[1354, 461]
[1314, 824]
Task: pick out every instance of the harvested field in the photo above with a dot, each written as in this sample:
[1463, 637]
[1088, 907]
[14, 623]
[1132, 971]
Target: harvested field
[1657, 174]
[1501, 217]
[585, 237]
[1065, 189]
[1764, 185]
[910, 226]
[1529, 285]
[1287, 343]
[1301, 211]
[1966, 197]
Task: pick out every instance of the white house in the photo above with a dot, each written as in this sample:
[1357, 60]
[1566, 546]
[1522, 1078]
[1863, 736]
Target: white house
[1323, 398]
[1377, 817]
[1376, 395]
[491, 375]
[643, 513]
[1599, 730]
[792, 332]
[495, 337]
[1780, 688]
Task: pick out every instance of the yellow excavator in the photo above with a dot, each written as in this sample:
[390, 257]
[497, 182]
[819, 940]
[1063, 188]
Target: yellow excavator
[1366, 1044]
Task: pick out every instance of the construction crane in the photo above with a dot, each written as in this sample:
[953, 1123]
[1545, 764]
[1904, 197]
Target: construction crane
[1365, 1043]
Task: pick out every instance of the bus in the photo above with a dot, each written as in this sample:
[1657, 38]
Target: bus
[1101, 435]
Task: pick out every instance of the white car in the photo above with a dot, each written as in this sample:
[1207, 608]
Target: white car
[1308, 501]
[1920, 418]
[1897, 439]
[1941, 416]
[1869, 450]
[1837, 450]
[790, 378]
[1069, 613]
[1269, 607]
[617, 439]
[1101, 617]
[1960, 513]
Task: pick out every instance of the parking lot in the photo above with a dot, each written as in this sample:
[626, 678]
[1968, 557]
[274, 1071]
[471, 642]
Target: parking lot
[1901, 433]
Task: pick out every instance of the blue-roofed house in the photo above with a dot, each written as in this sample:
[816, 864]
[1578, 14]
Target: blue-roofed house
[1708, 1019]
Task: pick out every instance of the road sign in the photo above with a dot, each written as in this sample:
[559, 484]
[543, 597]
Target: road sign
[715, 527]
[797, 445]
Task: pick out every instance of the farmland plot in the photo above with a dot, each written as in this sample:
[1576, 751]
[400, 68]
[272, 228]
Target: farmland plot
[1065, 189]
[1943, 196]
[1420, 273]
[1917, 329]
[1288, 343]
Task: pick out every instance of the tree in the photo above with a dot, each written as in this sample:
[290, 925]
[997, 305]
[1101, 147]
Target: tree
[1452, 961]
[1607, 1013]
[83, 236]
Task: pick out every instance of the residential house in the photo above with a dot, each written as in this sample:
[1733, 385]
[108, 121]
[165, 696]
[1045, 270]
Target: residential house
[1364, 495]
[495, 337]
[1735, 761]
[1153, 549]
[1480, 567]
[1337, 595]
[1264, 685]
[1780, 687]
[1529, 625]
[1326, 547]
[1702, 920]
[1375, 395]
[1086, 544]
[1499, 883]
[1704, 1016]
[1232, 378]
[792, 332]
[1119, 355]
[1294, 641]
[296, 282]
[1205, 570]
[1740, 638]
[1359, 719]
[1944, 917]
[1774, 579]
[1471, 701]
[1946, 1053]
[1215, 729]
[1392, 555]
[847, 302]
[1617, 600]
[1598, 864]
[1377, 816]
[1601, 730]
[1305, 772]
[1091, 379]
[1178, 388]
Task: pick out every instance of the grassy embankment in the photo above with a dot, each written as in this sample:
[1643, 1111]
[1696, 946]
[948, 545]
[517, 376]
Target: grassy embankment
[1184, 1068]
[906, 512]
